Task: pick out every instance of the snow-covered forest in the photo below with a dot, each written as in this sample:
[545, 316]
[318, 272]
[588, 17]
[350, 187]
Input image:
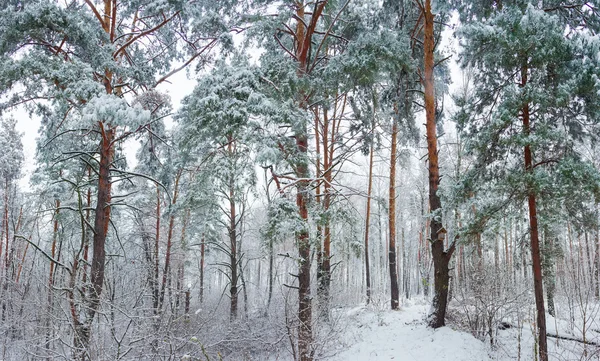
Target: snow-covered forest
[300, 180]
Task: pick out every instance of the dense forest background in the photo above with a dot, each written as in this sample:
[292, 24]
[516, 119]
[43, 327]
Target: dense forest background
[329, 154]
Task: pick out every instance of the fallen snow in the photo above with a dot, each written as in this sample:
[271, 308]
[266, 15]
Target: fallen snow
[404, 336]
[372, 335]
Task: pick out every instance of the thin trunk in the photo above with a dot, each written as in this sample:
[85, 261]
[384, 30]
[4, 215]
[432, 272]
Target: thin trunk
[2, 230]
[395, 303]
[155, 290]
[319, 138]
[506, 253]
[51, 276]
[534, 233]
[597, 262]
[588, 259]
[441, 258]
[270, 273]
[548, 271]
[367, 224]
[187, 302]
[167, 269]
[86, 246]
[496, 254]
[271, 255]
[233, 261]
[6, 222]
[244, 289]
[202, 248]
[325, 271]
[181, 269]
[405, 268]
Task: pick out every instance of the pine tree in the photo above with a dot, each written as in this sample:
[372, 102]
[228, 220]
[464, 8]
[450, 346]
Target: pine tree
[88, 63]
[534, 103]
[221, 119]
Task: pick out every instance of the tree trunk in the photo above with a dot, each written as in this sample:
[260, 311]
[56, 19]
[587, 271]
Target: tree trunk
[548, 271]
[202, 248]
[395, 303]
[155, 289]
[271, 255]
[303, 242]
[367, 224]
[441, 258]
[303, 38]
[597, 263]
[6, 223]
[51, 276]
[233, 291]
[101, 222]
[534, 233]
[167, 269]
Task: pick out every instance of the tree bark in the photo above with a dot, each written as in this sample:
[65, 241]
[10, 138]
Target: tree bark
[51, 276]
[202, 250]
[597, 263]
[155, 289]
[441, 257]
[534, 232]
[367, 224]
[325, 271]
[167, 268]
[101, 222]
[233, 261]
[303, 38]
[395, 294]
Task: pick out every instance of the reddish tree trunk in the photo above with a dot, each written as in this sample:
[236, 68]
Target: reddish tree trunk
[303, 38]
[441, 257]
[101, 222]
[325, 270]
[534, 233]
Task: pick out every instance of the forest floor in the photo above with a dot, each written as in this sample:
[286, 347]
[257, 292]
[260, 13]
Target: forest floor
[403, 335]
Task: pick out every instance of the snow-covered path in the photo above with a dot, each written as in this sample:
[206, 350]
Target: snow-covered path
[404, 336]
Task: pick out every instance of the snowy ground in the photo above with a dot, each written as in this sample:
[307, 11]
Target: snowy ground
[404, 336]
[371, 335]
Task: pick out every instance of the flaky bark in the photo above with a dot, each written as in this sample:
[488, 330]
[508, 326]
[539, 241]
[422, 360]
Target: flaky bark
[441, 257]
